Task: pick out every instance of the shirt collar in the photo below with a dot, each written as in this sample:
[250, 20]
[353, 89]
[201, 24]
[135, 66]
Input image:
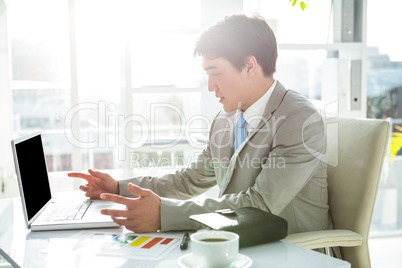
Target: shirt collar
[255, 112]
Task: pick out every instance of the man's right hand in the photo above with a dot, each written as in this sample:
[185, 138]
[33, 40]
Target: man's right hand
[98, 183]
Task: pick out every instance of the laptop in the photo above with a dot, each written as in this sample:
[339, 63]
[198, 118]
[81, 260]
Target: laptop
[41, 211]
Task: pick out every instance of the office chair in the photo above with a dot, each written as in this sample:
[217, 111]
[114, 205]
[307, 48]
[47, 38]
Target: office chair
[355, 157]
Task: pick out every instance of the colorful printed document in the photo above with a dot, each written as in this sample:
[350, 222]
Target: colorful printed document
[127, 245]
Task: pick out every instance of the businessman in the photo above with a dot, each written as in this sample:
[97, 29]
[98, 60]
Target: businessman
[263, 149]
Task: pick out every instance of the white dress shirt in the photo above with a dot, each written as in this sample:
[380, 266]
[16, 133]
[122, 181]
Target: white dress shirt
[254, 113]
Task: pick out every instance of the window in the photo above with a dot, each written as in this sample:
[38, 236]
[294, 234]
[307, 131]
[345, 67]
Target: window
[39, 73]
[384, 100]
[312, 26]
[114, 85]
[302, 70]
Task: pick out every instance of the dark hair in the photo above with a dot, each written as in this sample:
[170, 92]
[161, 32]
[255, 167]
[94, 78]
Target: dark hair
[238, 36]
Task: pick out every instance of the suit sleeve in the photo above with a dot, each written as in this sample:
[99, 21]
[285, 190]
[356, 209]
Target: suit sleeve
[183, 184]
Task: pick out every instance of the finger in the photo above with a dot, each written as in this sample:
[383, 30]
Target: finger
[90, 191]
[88, 187]
[93, 195]
[88, 178]
[121, 221]
[136, 190]
[115, 198]
[135, 229]
[131, 228]
[97, 174]
[132, 225]
[115, 213]
[85, 188]
[76, 174]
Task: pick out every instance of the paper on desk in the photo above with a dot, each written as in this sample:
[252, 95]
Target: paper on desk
[124, 245]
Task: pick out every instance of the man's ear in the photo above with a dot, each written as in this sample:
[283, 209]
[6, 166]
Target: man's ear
[251, 64]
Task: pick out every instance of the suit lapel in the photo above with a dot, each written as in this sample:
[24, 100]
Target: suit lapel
[273, 103]
[224, 134]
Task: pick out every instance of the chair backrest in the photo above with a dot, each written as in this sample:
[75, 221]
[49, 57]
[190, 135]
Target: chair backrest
[360, 146]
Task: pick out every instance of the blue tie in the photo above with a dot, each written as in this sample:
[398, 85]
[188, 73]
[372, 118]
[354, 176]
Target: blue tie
[240, 131]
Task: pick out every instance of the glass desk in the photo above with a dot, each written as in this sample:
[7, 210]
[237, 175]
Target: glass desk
[50, 249]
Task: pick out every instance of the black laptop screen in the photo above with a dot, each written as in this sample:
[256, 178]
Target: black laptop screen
[33, 171]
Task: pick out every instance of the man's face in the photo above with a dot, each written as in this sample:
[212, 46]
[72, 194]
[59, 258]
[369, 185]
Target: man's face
[228, 83]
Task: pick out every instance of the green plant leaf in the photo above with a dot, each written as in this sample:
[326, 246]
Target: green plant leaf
[302, 5]
[294, 2]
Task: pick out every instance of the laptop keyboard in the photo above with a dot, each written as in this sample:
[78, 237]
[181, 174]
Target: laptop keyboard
[69, 211]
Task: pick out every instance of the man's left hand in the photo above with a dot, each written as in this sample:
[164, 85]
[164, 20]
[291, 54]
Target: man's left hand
[142, 214]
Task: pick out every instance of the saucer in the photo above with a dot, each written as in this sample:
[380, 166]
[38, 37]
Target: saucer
[241, 261]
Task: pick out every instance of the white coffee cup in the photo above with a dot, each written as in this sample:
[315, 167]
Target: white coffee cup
[214, 248]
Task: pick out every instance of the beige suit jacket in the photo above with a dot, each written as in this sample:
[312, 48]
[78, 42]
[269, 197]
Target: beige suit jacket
[277, 169]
